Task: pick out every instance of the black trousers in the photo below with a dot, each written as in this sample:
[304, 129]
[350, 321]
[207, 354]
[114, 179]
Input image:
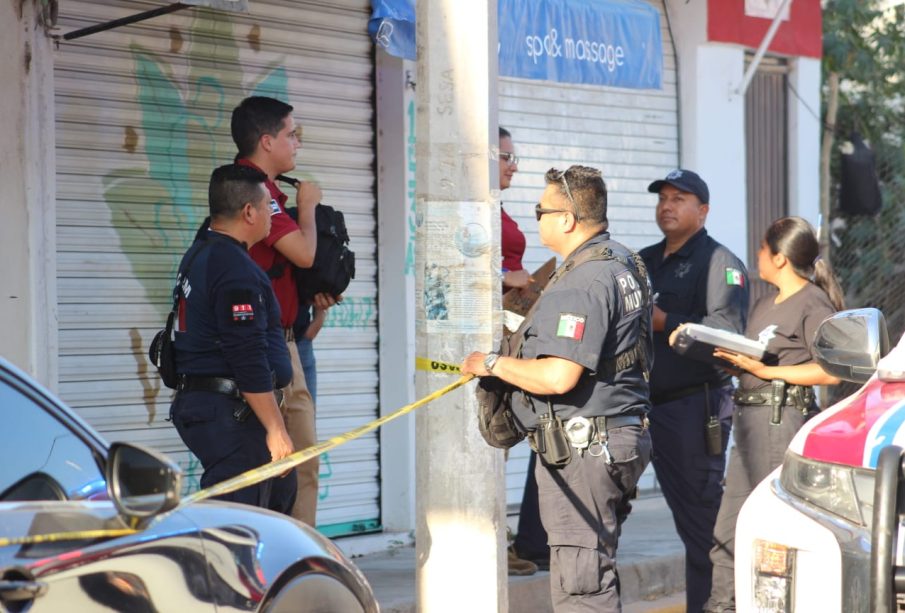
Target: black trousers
[583, 506]
[227, 448]
[758, 449]
[691, 479]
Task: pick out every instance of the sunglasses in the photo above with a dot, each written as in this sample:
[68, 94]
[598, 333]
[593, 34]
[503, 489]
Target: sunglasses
[540, 211]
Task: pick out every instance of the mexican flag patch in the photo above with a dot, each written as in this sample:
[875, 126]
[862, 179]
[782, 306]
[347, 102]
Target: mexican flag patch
[735, 277]
[570, 326]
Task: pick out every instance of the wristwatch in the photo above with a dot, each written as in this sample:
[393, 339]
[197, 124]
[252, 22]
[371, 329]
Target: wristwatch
[490, 361]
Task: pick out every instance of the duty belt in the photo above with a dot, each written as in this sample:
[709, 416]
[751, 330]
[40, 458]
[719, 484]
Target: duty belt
[218, 385]
[795, 395]
[781, 395]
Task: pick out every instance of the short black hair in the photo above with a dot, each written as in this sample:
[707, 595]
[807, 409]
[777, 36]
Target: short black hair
[253, 118]
[583, 187]
[231, 187]
[504, 133]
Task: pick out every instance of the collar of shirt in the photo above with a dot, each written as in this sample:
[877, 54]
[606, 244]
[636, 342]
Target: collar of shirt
[685, 251]
[275, 192]
[597, 238]
[216, 235]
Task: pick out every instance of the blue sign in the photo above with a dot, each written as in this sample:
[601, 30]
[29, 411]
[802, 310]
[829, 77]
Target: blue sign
[597, 42]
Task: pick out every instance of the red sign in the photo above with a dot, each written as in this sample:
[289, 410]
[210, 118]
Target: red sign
[728, 21]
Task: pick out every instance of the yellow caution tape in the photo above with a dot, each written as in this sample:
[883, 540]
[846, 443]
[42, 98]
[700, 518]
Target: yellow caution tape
[435, 366]
[81, 535]
[268, 471]
[253, 476]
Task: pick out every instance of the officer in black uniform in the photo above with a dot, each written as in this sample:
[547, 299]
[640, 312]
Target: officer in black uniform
[695, 279]
[229, 347]
[581, 383]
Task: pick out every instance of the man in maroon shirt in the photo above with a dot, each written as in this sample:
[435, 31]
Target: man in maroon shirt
[267, 138]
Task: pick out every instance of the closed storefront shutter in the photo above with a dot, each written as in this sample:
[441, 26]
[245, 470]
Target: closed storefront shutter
[632, 135]
[142, 116]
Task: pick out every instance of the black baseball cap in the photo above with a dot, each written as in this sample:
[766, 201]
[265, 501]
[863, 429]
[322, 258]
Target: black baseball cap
[684, 180]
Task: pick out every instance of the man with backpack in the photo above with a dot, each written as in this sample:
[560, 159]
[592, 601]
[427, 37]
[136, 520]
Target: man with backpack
[267, 139]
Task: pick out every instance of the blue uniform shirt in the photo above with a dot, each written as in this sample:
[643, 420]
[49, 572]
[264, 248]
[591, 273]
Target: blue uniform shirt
[589, 316]
[702, 282]
[228, 318]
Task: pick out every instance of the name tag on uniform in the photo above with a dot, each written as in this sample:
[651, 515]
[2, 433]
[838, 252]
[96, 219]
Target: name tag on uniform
[570, 326]
[274, 207]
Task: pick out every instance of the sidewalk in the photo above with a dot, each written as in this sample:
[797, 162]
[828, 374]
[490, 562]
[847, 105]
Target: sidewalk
[651, 565]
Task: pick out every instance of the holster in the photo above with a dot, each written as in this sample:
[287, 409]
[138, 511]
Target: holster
[550, 441]
[777, 401]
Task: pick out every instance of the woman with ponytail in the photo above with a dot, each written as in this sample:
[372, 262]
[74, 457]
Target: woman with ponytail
[786, 322]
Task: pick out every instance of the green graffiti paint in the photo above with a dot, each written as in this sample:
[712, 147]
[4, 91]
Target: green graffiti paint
[352, 313]
[162, 192]
[191, 480]
[326, 472]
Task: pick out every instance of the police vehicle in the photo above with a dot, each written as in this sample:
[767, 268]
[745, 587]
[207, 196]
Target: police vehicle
[822, 532]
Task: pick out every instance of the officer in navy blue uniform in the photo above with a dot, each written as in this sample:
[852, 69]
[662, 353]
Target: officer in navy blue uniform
[229, 346]
[695, 280]
[584, 365]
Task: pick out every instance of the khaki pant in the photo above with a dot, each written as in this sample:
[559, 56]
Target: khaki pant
[298, 413]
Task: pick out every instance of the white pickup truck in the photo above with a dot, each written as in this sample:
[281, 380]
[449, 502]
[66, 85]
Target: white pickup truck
[821, 533]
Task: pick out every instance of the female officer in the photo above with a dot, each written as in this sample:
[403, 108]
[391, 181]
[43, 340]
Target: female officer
[786, 322]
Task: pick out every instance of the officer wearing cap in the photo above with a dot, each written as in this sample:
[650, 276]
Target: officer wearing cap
[695, 279]
[581, 384]
[229, 347]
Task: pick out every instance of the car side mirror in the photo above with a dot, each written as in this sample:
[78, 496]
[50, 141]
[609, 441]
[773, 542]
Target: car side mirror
[850, 343]
[141, 482]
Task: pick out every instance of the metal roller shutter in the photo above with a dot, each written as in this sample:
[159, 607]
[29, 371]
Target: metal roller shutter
[142, 118]
[632, 135]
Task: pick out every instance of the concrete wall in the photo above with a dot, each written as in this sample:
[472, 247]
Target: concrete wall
[712, 121]
[27, 174]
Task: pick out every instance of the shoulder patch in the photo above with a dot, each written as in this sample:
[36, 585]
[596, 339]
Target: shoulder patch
[632, 296]
[241, 306]
[571, 326]
[735, 277]
[274, 207]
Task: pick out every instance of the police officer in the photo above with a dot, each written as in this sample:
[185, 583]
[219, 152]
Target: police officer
[583, 366]
[695, 279]
[230, 352]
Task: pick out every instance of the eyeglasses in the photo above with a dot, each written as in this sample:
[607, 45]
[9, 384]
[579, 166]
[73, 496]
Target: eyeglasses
[509, 158]
[540, 211]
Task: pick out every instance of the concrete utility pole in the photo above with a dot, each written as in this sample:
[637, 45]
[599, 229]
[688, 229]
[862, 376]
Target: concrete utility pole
[460, 537]
[28, 315]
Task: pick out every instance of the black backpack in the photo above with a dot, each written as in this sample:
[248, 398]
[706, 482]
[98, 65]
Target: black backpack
[334, 263]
